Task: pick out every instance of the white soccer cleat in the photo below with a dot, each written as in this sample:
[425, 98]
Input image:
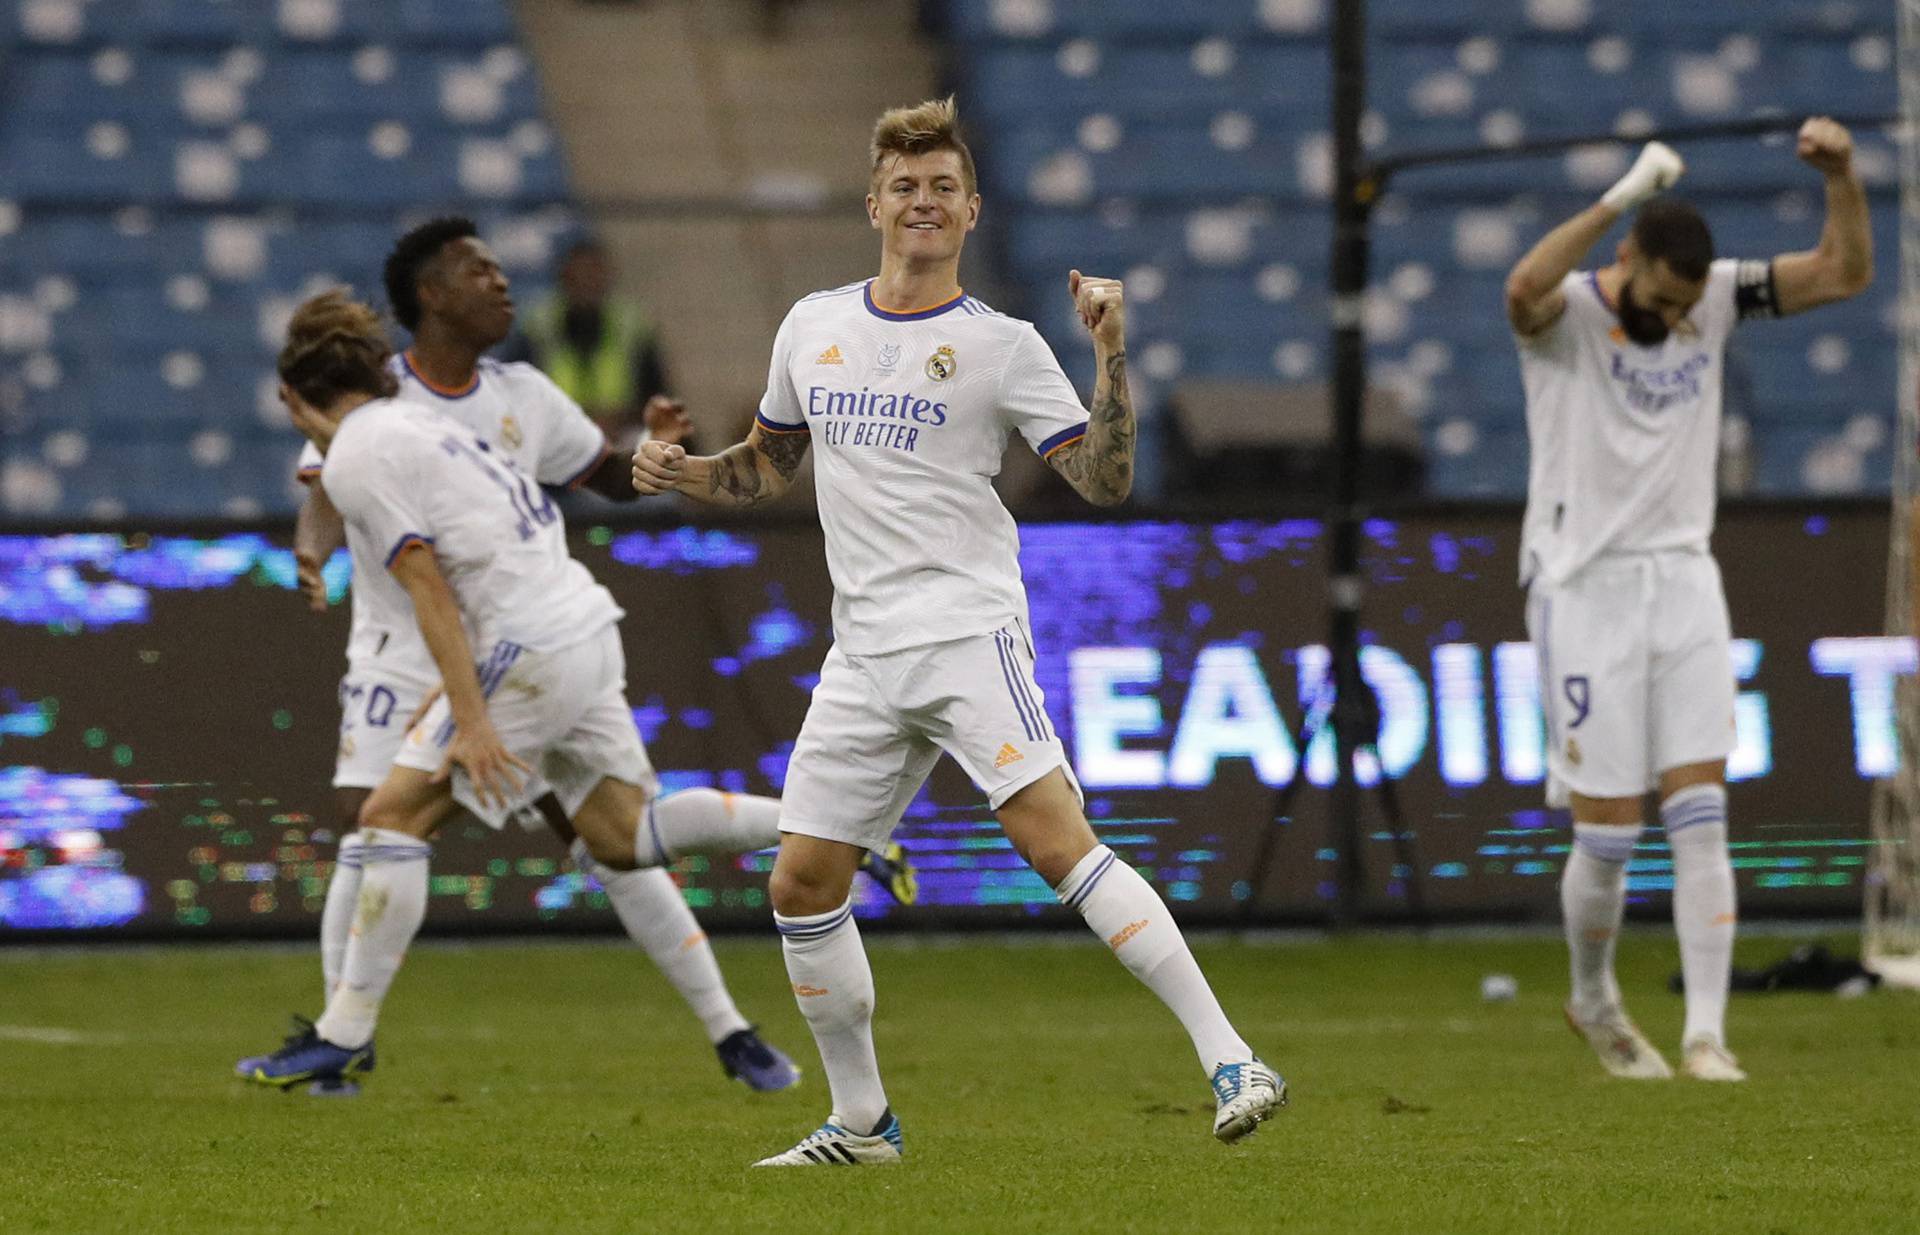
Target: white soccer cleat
[833, 1145]
[1247, 1095]
[1622, 1048]
[1707, 1060]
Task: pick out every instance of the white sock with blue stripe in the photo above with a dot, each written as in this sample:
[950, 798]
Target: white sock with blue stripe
[651, 907]
[833, 985]
[387, 915]
[1704, 914]
[336, 915]
[1593, 899]
[705, 821]
[1123, 909]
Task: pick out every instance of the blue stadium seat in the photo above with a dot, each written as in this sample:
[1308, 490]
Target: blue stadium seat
[453, 23]
[322, 84]
[194, 23]
[64, 86]
[174, 173]
[1487, 470]
[1132, 20]
[107, 164]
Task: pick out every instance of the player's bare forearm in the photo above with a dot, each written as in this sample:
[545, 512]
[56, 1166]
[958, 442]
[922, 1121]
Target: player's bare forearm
[612, 479]
[1847, 237]
[1533, 285]
[748, 473]
[318, 529]
[1100, 465]
[1842, 264]
[317, 532]
[438, 615]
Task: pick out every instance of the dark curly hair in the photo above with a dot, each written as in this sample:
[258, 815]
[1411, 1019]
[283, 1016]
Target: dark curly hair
[336, 346]
[410, 257]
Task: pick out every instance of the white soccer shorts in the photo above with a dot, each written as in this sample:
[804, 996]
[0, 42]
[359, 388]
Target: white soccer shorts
[374, 709]
[877, 725]
[1636, 672]
[563, 712]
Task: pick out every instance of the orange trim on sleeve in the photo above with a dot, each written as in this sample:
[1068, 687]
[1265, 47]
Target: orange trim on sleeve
[1060, 446]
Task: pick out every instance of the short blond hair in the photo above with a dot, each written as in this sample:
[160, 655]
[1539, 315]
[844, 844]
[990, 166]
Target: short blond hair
[921, 129]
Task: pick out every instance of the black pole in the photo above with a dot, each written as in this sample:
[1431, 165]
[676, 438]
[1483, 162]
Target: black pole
[1352, 201]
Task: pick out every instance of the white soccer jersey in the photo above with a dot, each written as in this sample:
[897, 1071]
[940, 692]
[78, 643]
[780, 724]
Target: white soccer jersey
[400, 475]
[519, 412]
[909, 415]
[1624, 438]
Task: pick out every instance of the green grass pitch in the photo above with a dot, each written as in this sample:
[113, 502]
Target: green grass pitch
[560, 1086]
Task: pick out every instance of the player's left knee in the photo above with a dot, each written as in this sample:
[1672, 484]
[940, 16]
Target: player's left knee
[1709, 772]
[800, 889]
[1054, 847]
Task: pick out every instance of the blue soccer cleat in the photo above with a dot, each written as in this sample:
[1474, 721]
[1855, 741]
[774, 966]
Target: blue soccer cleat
[1247, 1095]
[890, 867]
[748, 1058]
[333, 1087]
[306, 1056]
[833, 1145]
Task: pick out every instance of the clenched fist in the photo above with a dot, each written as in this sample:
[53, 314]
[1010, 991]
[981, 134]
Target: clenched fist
[657, 467]
[1826, 146]
[1102, 306]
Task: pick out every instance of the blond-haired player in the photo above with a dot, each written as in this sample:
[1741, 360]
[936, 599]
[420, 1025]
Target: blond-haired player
[909, 389]
[1623, 369]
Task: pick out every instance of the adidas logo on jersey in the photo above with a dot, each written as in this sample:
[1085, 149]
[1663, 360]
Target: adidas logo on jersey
[831, 356]
[1007, 755]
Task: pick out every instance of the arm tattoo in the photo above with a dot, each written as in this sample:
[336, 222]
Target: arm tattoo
[739, 475]
[735, 476]
[785, 451]
[1100, 465]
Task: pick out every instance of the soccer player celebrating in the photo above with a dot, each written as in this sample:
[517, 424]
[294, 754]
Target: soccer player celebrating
[1623, 371]
[469, 549]
[448, 291]
[911, 389]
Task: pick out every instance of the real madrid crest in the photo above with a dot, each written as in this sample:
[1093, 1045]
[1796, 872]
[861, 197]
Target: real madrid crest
[941, 365]
[510, 432]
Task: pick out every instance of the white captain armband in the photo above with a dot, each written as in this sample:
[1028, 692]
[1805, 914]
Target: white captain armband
[1753, 291]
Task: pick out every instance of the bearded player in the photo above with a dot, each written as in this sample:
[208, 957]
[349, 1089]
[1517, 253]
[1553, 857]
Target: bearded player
[1623, 372]
[910, 389]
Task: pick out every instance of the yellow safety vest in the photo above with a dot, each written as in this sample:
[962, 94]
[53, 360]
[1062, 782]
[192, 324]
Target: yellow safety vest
[600, 381]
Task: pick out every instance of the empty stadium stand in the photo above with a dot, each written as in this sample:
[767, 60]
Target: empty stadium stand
[1184, 145]
[176, 174]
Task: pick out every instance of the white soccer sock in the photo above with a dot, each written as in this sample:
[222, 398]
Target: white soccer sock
[705, 821]
[336, 916]
[650, 906]
[1703, 904]
[833, 985]
[1123, 909]
[1593, 898]
[388, 913]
